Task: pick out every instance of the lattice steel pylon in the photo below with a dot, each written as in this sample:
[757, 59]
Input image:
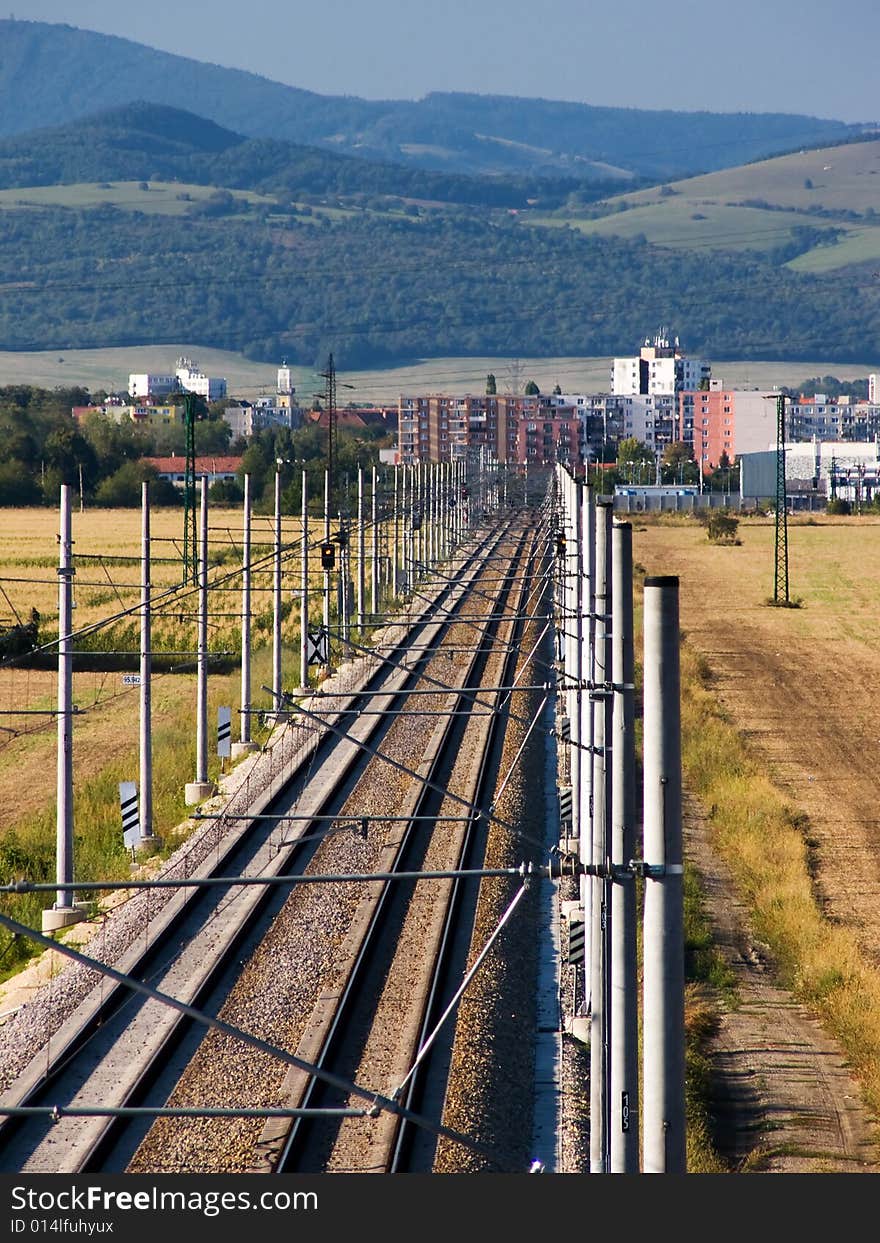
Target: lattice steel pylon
[190, 543]
[780, 578]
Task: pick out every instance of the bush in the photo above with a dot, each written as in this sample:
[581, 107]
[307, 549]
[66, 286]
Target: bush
[722, 527]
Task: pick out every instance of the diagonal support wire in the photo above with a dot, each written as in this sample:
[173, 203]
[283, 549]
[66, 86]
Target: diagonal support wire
[376, 1100]
[471, 697]
[411, 773]
[522, 746]
[469, 975]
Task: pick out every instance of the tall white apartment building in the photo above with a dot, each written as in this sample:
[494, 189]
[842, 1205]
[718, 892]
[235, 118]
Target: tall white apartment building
[187, 379]
[191, 380]
[661, 368]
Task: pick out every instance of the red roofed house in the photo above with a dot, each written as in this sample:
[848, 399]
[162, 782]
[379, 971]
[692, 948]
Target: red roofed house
[215, 468]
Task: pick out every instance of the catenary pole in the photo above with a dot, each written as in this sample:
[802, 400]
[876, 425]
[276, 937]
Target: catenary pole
[374, 544]
[304, 588]
[601, 912]
[585, 726]
[201, 788]
[395, 560]
[63, 911]
[245, 718]
[663, 1126]
[326, 598]
[624, 1057]
[245, 744]
[276, 597]
[362, 552]
[145, 738]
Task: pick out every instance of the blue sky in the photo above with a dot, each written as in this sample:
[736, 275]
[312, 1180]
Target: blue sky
[805, 56]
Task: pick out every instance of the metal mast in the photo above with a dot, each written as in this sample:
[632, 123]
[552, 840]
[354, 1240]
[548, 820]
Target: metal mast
[190, 542]
[780, 579]
[329, 377]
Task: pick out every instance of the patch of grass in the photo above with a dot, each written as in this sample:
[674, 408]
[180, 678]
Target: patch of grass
[796, 602]
[27, 848]
[763, 841]
[162, 198]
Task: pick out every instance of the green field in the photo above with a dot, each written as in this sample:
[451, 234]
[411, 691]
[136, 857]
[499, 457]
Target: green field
[755, 207]
[695, 223]
[161, 198]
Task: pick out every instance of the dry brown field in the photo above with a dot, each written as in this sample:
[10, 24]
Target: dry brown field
[797, 683]
[105, 585]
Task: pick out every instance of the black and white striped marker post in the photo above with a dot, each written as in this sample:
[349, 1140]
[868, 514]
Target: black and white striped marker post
[128, 806]
[224, 732]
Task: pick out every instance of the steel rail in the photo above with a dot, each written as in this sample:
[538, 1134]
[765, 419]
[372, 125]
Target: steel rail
[415, 625]
[294, 1152]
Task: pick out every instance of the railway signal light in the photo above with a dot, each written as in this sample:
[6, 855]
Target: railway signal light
[328, 556]
[560, 544]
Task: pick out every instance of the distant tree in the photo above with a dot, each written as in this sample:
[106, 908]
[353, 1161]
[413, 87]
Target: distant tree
[225, 492]
[122, 489]
[491, 388]
[677, 463]
[635, 461]
[557, 391]
[18, 486]
[531, 389]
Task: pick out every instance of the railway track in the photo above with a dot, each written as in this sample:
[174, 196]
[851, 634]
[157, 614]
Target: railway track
[225, 949]
[413, 948]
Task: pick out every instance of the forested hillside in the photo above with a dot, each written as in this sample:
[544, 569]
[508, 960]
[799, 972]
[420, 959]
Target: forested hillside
[380, 287]
[152, 142]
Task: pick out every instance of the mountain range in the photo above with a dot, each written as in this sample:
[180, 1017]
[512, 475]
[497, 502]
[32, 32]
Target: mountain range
[79, 72]
[137, 221]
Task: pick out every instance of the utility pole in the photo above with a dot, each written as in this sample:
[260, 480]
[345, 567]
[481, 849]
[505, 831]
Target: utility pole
[64, 912]
[190, 542]
[304, 589]
[601, 905]
[201, 788]
[276, 596]
[623, 1010]
[245, 744]
[146, 729]
[361, 550]
[780, 577]
[374, 545]
[663, 1077]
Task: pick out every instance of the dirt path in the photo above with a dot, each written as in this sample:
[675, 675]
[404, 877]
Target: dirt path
[796, 684]
[785, 1102]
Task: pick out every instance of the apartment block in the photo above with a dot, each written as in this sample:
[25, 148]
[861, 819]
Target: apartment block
[540, 429]
[721, 422]
[660, 368]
